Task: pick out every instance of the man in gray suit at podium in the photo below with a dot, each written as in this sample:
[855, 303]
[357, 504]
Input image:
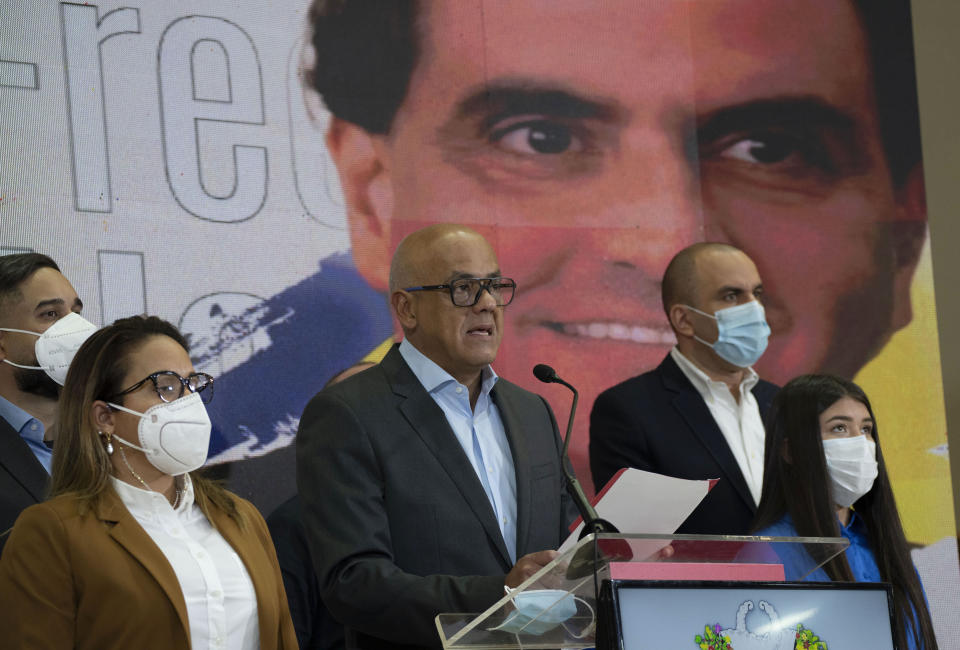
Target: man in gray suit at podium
[428, 482]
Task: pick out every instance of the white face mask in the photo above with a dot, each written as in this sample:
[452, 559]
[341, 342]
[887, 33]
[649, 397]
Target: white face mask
[57, 345]
[175, 436]
[851, 466]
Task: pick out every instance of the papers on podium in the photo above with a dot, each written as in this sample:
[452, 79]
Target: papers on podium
[636, 501]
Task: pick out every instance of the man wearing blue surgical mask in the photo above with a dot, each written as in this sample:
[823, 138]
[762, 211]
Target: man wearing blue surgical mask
[35, 301]
[699, 414]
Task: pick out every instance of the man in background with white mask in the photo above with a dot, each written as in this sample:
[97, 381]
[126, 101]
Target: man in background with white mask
[40, 330]
[698, 415]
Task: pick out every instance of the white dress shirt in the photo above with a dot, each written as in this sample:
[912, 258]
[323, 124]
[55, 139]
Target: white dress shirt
[221, 602]
[479, 431]
[740, 424]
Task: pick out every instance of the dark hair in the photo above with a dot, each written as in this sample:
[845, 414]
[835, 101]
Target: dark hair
[81, 466]
[889, 28]
[366, 51]
[795, 482]
[18, 268]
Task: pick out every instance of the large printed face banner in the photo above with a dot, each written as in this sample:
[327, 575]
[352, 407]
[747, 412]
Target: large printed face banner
[175, 159]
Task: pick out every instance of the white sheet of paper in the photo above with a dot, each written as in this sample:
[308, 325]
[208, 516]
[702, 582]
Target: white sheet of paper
[644, 502]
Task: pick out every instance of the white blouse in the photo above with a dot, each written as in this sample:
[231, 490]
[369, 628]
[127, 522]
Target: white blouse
[221, 602]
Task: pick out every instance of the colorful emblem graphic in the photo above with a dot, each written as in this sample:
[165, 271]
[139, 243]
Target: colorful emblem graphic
[773, 635]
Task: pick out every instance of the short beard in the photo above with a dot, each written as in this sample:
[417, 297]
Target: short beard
[36, 382]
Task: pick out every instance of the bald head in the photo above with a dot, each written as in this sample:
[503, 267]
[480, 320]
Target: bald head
[462, 340]
[346, 373]
[681, 279]
[415, 260]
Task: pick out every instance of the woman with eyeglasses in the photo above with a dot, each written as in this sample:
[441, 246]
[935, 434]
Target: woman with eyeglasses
[824, 476]
[134, 549]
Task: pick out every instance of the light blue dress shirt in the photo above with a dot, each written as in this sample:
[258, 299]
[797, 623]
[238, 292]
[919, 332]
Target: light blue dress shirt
[479, 431]
[29, 428]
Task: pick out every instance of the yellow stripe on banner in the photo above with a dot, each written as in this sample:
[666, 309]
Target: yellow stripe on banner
[378, 353]
[905, 387]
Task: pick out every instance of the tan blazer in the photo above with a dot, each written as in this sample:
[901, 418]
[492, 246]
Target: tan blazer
[98, 581]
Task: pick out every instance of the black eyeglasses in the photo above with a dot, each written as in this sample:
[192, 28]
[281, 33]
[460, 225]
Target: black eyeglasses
[170, 386]
[466, 292]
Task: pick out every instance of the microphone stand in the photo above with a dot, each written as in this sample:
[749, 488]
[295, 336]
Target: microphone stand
[592, 522]
[587, 559]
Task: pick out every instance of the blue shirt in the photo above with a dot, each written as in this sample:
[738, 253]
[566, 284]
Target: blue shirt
[29, 428]
[479, 431]
[859, 556]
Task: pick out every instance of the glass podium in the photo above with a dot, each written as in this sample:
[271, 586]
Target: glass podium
[558, 606]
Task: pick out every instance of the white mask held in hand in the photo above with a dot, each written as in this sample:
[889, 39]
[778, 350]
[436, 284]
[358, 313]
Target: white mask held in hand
[851, 466]
[175, 436]
[57, 345]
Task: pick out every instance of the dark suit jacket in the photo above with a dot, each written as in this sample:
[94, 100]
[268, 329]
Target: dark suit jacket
[658, 422]
[97, 580]
[23, 480]
[400, 526]
[316, 629]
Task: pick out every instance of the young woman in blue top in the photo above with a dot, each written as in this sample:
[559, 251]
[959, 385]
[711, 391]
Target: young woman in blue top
[824, 476]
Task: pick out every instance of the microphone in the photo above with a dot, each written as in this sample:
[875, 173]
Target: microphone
[591, 522]
[585, 561]
[545, 373]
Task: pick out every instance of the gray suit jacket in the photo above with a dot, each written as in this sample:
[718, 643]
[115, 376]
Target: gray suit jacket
[399, 524]
[23, 480]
